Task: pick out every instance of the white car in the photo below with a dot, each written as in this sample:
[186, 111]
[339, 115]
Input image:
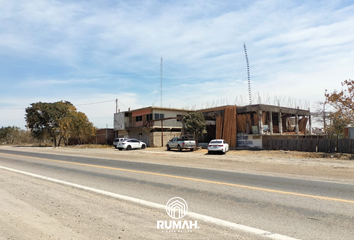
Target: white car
[218, 145]
[129, 144]
[116, 140]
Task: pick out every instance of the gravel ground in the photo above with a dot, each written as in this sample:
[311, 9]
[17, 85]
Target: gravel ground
[35, 209]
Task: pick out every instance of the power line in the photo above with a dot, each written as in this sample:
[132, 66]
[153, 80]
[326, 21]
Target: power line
[74, 104]
[95, 103]
[122, 104]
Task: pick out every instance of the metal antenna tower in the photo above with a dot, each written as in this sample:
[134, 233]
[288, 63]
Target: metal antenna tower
[248, 73]
[161, 82]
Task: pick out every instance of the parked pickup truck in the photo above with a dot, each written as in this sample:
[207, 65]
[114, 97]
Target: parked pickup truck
[181, 143]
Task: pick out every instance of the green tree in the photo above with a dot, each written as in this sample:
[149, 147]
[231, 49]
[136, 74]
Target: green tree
[15, 135]
[81, 128]
[194, 123]
[343, 103]
[9, 135]
[338, 122]
[54, 120]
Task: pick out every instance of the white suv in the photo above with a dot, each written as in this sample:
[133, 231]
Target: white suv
[116, 140]
[129, 144]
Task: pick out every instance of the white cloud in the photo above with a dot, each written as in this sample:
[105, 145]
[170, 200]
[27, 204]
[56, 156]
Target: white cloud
[85, 51]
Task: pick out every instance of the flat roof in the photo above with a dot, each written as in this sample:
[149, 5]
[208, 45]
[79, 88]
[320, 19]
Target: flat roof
[272, 108]
[240, 109]
[162, 108]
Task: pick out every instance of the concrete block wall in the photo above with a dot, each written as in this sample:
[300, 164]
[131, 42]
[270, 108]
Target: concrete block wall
[155, 138]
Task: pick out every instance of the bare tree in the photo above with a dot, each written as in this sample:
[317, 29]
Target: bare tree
[320, 115]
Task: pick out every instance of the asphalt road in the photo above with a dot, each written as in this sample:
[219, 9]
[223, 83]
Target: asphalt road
[291, 207]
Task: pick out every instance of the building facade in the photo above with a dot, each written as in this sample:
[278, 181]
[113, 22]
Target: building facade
[250, 124]
[153, 125]
[240, 126]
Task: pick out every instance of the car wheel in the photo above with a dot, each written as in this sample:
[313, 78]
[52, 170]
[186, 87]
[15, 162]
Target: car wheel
[143, 146]
[120, 149]
[168, 147]
[179, 148]
[129, 147]
[191, 149]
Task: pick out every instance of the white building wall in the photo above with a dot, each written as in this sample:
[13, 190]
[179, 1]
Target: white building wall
[168, 114]
[119, 123]
[140, 134]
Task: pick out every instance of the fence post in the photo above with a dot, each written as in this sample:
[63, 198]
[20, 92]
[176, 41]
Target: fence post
[351, 145]
[290, 145]
[333, 145]
[340, 147]
[326, 146]
[321, 147]
[299, 144]
[345, 145]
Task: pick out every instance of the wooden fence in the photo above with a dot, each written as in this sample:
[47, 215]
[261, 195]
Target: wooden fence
[310, 145]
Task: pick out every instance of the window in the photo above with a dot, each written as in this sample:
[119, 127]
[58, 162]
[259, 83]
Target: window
[179, 118]
[138, 118]
[149, 117]
[159, 116]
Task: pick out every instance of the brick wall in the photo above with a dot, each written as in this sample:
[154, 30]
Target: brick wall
[105, 136]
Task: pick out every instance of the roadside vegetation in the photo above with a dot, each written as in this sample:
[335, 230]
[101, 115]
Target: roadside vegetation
[16, 136]
[195, 124]
[59, 121]
[50, 124]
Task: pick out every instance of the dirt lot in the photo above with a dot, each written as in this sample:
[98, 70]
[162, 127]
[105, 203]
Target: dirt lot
[315, 166]
[70, 213]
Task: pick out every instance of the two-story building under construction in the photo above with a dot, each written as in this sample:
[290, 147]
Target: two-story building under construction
[153, 125]
[241, 126]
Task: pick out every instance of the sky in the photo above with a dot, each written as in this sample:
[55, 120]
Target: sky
[91, 53]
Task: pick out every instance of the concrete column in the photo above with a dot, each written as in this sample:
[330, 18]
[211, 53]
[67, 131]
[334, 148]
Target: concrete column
[310, 127]
[161, 133]
[271, 123]
[260, 122]
[297, 123]
[280, 123]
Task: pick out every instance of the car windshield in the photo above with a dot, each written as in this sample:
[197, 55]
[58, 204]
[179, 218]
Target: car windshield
[216, 142]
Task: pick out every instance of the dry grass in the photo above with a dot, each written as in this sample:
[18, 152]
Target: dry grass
[90, 146]
[61, 146]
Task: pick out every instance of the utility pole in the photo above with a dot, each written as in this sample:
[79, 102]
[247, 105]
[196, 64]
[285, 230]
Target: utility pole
[116, 105]
[161, 82]
[324, 118]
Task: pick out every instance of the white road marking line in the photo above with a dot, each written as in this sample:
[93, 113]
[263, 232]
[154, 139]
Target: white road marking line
[197, 216]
